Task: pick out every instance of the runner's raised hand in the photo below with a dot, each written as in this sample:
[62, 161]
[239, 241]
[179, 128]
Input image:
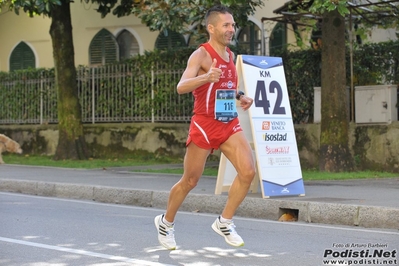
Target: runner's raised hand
[214, 72]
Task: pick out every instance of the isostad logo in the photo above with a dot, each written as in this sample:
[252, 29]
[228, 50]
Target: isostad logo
[275, 137]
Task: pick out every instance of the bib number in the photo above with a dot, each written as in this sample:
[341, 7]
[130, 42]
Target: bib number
[225, 105]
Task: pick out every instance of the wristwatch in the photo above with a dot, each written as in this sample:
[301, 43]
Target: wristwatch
[239, 94]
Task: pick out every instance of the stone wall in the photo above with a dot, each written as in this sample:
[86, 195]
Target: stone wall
[103, 140]
[374, 147]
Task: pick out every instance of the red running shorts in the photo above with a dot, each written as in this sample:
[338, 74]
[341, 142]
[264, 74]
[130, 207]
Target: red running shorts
[208, 133]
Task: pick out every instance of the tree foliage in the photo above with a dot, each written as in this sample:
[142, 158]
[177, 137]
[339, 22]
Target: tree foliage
[31, 7]
[322, 6]
[176, 15]
[158, 15]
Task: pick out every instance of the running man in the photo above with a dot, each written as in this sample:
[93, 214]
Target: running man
[211, 72]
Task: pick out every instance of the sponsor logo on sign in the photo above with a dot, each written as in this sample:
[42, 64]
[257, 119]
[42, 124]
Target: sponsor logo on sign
[278, 150]
[265, 125]
[284, 160]
[273, 125]
[278, 125]
[280, 161]
[275, 137]
[270, 160]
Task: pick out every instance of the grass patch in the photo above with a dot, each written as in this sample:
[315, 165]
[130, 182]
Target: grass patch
[208, 171]
[41, 160]
[307, 175]
[150, 159]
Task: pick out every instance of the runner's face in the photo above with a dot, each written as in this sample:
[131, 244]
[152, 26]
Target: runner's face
[225, 29]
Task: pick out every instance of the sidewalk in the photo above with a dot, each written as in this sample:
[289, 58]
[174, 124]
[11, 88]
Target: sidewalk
[367, 203]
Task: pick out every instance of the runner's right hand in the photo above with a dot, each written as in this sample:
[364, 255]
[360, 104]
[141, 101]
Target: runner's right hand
[214, 73]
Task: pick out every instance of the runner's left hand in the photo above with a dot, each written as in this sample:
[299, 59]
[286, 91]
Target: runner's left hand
[245, 102]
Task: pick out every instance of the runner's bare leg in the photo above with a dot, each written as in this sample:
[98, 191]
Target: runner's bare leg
[194, 163]
[239, 153]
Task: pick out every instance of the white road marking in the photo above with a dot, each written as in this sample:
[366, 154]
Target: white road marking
[84, 252]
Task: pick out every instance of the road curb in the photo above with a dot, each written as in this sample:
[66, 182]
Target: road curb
[270, 209]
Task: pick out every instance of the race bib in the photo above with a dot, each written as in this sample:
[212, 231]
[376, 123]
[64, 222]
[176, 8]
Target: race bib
[225, 105]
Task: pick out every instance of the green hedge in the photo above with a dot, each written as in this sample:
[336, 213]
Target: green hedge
[373, 64]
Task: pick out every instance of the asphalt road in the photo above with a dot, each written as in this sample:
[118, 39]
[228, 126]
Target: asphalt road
[36, 231]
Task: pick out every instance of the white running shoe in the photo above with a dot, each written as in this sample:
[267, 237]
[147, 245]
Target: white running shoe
[228, 231]
[166, 236]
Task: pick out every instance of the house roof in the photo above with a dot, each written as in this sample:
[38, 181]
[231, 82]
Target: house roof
[371, 11]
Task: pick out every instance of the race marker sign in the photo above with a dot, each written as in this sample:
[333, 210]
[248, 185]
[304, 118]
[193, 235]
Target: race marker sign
[271, 124]
[273, 135]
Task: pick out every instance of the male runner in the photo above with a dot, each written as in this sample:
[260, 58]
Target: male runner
[212, 78]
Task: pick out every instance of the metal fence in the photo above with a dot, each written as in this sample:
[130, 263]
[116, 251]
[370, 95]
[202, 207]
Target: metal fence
[114, 93]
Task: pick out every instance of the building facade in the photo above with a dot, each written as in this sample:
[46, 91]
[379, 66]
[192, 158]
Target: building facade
[26, 42]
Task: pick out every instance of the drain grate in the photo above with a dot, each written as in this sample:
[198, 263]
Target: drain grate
[288, 215]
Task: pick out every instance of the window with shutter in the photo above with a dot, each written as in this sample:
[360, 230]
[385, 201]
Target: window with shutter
[22, 57]
[103, 48]
[278, 38]
[250, 39]
[128, 45]
[169, 39]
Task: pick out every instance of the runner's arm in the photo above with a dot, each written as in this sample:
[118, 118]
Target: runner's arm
[191, 78]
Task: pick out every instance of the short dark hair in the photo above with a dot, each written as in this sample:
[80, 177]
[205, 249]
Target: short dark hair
[218, 9]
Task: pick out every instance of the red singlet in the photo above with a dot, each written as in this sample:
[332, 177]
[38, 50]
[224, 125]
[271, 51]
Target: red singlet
[205, 131]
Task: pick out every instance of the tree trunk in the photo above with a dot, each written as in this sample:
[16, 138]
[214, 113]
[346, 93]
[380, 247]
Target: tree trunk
[71, 144]
[335, 154]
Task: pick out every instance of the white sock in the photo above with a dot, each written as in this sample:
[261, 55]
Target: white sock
[224, 220]
[167, 223]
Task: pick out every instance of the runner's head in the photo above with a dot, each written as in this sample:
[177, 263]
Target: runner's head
[220, 24]
[211, 16]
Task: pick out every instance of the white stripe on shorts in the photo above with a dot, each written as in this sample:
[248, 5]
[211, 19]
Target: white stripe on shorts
[202, 131]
